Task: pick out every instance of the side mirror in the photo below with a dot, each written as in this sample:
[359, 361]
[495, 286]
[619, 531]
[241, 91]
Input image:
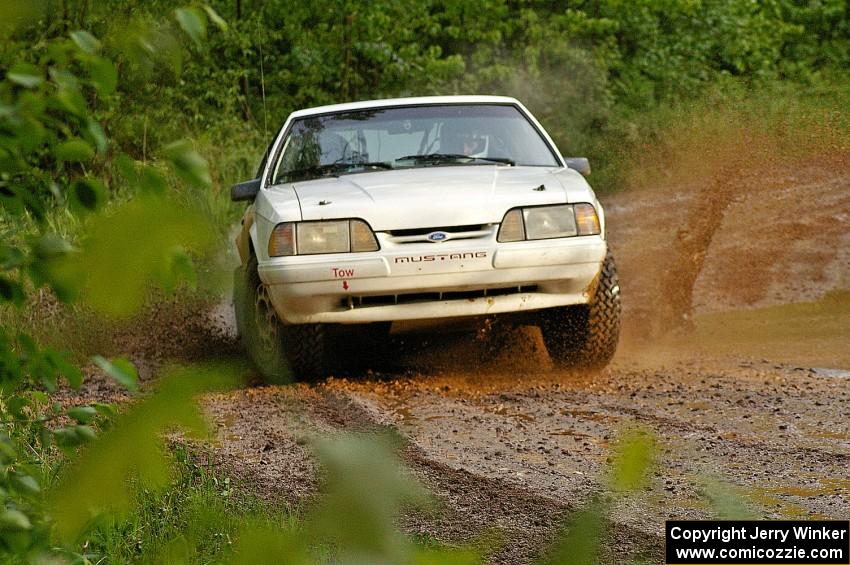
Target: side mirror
[245, 190]
[580, 164]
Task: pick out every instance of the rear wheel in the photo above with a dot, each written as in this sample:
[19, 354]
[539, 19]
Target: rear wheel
[586, 335]
[280, 352]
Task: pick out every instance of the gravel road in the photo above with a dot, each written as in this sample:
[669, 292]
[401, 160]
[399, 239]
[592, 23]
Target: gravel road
[510, 446]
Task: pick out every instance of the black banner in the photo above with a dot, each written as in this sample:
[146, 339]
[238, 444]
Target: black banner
[757, 542]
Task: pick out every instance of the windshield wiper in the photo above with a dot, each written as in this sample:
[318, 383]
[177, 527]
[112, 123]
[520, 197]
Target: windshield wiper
[332, 169]
[503, 160]
[372, 165]
[436, 158]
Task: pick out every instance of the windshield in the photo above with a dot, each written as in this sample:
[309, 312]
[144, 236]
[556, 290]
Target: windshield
[405, 137]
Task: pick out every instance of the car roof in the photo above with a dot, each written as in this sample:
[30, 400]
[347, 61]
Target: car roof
[420, 100]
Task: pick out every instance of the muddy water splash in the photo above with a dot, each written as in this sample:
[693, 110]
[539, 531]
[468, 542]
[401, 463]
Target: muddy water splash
[665, 233]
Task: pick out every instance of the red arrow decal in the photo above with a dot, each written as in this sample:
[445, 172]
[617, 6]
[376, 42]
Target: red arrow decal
[345, 285]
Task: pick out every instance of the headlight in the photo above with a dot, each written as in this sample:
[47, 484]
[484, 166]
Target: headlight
[322, 237]
[547, 222]
[312, 238]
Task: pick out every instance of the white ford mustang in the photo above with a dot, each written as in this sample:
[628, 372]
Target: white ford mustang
[367, 213]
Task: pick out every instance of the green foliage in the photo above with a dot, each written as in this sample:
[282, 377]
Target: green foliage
[122, 372]
[632, 461]
[364, 490]
[53, 153]
[96, 482]
[138, 242]
[584, 529]
[726, 501]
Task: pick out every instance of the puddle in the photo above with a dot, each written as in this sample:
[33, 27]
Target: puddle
[832, 435]
[572, 433]
[501, 410]
[833, 373]
[587, 415]
[404, 414]
[776, 498]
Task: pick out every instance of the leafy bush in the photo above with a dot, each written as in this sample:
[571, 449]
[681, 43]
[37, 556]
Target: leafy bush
[53, 152]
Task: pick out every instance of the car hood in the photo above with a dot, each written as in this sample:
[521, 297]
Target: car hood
[437, 196]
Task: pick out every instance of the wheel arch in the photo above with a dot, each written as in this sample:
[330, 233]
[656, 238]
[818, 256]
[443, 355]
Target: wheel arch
[246, 239]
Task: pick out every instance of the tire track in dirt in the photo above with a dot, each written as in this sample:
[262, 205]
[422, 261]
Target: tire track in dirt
[475, 509]
[773, 430]
[264, 439]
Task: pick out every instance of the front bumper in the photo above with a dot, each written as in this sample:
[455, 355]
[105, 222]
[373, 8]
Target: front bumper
[434, 280]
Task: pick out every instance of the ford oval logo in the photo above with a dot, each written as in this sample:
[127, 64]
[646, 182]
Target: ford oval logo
[438, 236]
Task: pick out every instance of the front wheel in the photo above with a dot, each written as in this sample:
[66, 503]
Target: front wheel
[280, 352]
[586, 335]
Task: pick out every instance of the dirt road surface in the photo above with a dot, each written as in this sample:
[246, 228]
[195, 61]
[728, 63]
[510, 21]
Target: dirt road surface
[751, 400]
[754, 398]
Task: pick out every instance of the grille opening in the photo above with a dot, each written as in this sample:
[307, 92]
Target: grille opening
[447, 229]
[414, 297]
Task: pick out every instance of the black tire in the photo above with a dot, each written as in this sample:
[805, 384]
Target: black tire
[280, 352]
[586, 335]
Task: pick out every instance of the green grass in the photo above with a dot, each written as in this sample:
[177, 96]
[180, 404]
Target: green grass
[813, 334]
[194, 520]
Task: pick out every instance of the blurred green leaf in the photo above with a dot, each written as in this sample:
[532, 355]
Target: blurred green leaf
[430, 556]
[87, 194]
[70, 100]
[632, 460]
[25, 483]
[15, 405]
[85, 433]
[127, 168]
[108, 410]
[16, 14]
[86, 41]
[14, 520]
[74, 150]
[215, 18]
[82, 414]
[11, 257]
[39, 396]
[193, 23]
[182, 270]
[11, 291]
[7, 448]
[130, 248]
[122, 371]
[68, 370]
[188, 164]
[97, 481]
[580, 543]
[67, 438]
[726, 501]
[365, 489]
[261, 544]
[26, 75]
[49, 252]
[104, 75]
[97, 135]
[152, 181]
